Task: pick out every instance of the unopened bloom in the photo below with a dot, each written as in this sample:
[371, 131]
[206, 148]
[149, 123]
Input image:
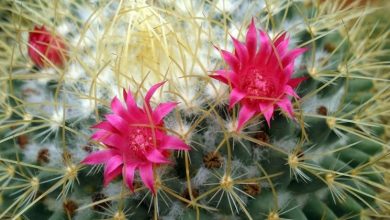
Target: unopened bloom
[135, 139]
[44, 48]
[260, 75]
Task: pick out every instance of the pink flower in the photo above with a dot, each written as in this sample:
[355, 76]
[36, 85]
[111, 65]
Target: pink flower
[136, 139]
[45, 48]
[260, 78]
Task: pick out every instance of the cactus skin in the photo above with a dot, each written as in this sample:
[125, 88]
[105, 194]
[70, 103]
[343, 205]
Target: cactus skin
[322, 165]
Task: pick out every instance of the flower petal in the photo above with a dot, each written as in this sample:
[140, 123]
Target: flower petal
[231, 60]
[285, 105]
[292, 55]
[245, 115]
[262, 55]
[280, 39]
[296, 81]
[113, 163]
[115, 141]
[235, 96]
[288, 71]
[173, 143]
[155, 156]
[282, 45]
[132, 107]
[117, 108]
[100, 135]
[119, 123]
[221, 78]
[124, 92]
[268, 111]
[151, 91]
[98, 157]
[226, 76]
[162, 110]
[290, 91]
[105, 125]
[146, 173]
[265, 42]
[130, 102]
[128, 174]
[110, 176]
[241, 51]
[251, 39]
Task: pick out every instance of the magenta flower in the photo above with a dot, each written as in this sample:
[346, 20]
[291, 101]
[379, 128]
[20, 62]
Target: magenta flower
[260, 78]
[135, 139]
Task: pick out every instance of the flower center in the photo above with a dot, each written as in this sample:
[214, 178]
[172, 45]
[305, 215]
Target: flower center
[141, 141]
[258, 84]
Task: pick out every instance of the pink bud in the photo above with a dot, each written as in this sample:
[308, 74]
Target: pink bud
[46, 49]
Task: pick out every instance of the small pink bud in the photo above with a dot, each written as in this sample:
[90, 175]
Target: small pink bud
[46, 49]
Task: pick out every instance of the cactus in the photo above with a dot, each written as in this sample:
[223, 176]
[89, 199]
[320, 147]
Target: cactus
[321, 153]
